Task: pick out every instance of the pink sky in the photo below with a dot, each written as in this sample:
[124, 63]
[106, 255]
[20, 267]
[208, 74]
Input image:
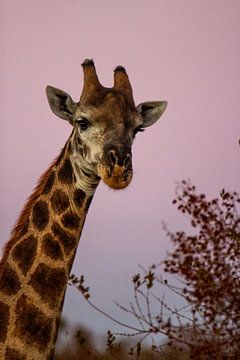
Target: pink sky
[183, 51]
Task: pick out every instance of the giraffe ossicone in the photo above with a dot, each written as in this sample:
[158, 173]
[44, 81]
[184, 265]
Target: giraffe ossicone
[37, 259]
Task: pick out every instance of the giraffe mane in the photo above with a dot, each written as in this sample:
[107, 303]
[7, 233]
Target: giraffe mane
[25, 212]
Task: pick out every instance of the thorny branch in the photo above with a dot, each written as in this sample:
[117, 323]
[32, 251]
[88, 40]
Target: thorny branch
[207, 265]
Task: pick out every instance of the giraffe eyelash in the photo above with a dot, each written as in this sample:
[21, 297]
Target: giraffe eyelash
[138, 129]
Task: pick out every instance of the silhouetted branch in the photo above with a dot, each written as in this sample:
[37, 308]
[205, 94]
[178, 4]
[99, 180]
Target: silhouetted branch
[207, 266]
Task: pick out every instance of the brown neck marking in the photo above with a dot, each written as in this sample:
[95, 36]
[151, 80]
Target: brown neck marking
[37, 260]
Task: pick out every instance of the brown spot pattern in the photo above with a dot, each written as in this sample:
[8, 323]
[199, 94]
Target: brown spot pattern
[57, 324]
[9, 282]
[59, 201]
[71, 220]
[24, 228]
[24, 253]
[40, 215]
[4, 316]
[88, 202]
[32, 326]
[12, 354]
[48, 283]
[79, 197]
[51, 355]
[51, 247]
[67, 240]
[49, 183]
[66, 174]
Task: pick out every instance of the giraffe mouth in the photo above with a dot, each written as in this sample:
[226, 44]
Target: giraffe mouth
[116, 177]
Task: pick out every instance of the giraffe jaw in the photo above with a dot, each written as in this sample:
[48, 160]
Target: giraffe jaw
[117, 177]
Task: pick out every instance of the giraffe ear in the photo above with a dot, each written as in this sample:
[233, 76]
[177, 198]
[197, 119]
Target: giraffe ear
[151, 111]
[61, 103]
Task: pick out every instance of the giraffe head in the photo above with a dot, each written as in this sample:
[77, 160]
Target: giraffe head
[105, 122]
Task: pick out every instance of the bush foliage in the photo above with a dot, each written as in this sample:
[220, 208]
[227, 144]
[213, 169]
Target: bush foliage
[206, 265]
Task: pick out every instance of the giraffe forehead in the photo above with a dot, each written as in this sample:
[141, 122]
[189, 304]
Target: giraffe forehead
[106, 97]
[108, 107]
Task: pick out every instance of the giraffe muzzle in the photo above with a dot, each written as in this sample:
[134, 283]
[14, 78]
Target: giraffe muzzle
[116, 169]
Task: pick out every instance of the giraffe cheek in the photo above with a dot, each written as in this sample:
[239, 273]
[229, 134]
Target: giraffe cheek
[93, 153]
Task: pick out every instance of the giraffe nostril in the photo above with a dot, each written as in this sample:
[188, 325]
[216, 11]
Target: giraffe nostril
[112, 157]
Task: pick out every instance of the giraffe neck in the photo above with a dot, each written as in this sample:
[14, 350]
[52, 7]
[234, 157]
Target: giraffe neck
[38, 258]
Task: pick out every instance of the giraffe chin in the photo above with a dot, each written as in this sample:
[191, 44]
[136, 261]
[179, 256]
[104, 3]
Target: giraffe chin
[116, 178]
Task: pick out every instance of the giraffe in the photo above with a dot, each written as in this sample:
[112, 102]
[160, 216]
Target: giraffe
[37, 260]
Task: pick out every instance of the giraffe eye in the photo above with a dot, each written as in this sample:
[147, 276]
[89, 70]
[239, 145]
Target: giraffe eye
[83, 123]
